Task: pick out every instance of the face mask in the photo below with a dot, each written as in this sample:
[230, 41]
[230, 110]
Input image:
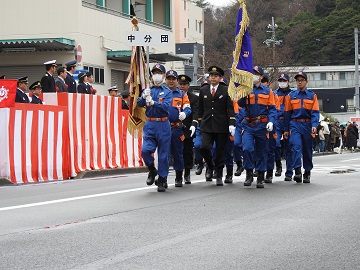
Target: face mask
[158, 79]
[283, 85]
[256, 79]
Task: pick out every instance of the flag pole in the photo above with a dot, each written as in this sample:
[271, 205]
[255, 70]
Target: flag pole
[147, 68]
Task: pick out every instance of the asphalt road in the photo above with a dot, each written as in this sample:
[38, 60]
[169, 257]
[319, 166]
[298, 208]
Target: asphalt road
[120, 223]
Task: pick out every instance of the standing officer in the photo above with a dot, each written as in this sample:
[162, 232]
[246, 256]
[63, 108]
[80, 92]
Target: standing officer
[178, 111]
[125, 95]
[48, 81]
[90, 88]
[36, 90]
[2, 77]
[157, 133]
[280, 95]
[82, 88]
[216, 113]
[301, 120]
[260, 112]
[21, 97]
[70, 81]
[60, 84]
[190, 124]
[113, 91]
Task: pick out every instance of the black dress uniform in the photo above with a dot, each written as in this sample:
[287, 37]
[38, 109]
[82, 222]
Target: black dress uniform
[191, 120]
[82, 88]
[69, 80]
[34, 98]
[216, 114]
[21, 97]
[48, 81]
[124, 105]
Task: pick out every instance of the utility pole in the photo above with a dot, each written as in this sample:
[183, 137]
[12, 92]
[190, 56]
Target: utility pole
[195, 62]
[273, 26]
[356, 33]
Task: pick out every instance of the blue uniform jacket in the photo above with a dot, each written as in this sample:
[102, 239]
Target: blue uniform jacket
[180, 103]
[162, 97]
[280, 100]
[21, 97]
[302, 105]
[260, 102]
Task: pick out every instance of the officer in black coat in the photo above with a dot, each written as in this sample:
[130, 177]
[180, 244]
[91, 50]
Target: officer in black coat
[36, 90]
[21, 97]
[189, 124]
[69, 80]
[82, 88]
[217, 120]
[48, 81]
[125, 95]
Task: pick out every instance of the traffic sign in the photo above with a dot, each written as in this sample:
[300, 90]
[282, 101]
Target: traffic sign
[79, 54]
[140, 38]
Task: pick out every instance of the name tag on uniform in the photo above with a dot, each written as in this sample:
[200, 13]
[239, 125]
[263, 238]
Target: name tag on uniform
[221, 96]
[161, 93]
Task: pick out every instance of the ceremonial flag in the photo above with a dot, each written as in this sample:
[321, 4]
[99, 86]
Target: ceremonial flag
[7, 93]
[241, 80]
[136, 82]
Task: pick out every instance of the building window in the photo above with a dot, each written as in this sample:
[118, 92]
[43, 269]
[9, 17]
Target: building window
[320, 101]
[323, 76]
[316, 76]
[200, 25]
[98, 73]
[188, 23]
[184, 32]
[350, 105]
[342, 75]
[184, 4]
[195, 25]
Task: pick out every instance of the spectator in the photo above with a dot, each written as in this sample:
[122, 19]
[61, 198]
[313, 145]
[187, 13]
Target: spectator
[325, 124]
[337, 134]
[332, 136]
[352, 136]
[322, 139]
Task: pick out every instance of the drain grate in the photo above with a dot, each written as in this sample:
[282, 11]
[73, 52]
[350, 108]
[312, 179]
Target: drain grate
[343, 171]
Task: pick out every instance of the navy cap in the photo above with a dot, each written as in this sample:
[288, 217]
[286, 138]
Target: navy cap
[171, 73]
[23, 80]
[82, 75]
[113, 88]
[2, 77]
[125, 94]
[184, 79]
[88, 74]
[216, 71]
[259, 70]
[302, 74]
[284, 76]
[71, 64]
[35, 85]
[159, 67]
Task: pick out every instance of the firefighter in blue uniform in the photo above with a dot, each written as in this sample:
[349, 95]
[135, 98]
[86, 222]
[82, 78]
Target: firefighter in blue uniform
[301, 120]
[21, 97]
[48, 81]
[36, 90]
[190, 123]
[217, 120]
[157, 132]
[280, 94]
[69, 80]
[260, 113]
[178, 111]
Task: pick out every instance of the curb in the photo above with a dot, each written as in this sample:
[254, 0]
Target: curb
[110, 172]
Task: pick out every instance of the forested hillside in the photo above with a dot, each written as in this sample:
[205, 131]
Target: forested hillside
[314, 32]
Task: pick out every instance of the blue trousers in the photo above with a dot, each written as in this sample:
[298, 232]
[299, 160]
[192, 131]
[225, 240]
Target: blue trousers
[271, 150]
[228, 153]
[197, 144]
[238, 143]
[177, 148]
[288, 155]
[157, 135]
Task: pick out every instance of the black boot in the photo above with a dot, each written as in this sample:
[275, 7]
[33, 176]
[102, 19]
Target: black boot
[151, 176]
[278, 168]
[178, 179]
[214, 174]
[249, 178]
[260, 180]
[239, 168]
[219, 174]
[161, 184]
[298, 176]
[306, 177]
[187, 176]
[269, 176]
[229, 175]
[209, 174]
[199, 167]
[255, 174]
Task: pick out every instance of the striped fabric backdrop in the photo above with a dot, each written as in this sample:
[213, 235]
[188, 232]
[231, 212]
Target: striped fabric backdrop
[35, 143]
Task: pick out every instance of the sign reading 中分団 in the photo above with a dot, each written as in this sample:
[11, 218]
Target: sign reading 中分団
[139, 38]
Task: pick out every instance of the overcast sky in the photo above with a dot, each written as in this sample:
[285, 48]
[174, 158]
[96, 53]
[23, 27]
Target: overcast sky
[220, 2]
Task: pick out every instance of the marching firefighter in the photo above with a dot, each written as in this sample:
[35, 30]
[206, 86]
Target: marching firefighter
[157, 133]
[260, 113]
[301, 120]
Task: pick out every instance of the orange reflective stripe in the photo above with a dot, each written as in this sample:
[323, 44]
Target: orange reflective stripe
[252, 99]
[295, 104]
[236, 106]
[263, 99]
[176, 102]
[308, 104]
[279, 100]
[185, 100]
[316, 104]
[288, 106]
[271, 100]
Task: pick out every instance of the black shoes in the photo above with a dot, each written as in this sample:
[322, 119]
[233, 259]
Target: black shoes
[199, 168]
[249, 178]
[298, 176]
[229, 175]
[269, 176]
[209, 174]
[278, 168]
[260, 180]
[239, 169]
[178, 179]
[219, 175]
[151, 176]
[161, 183]
[288, 178]
[306, 177]
[187, 177]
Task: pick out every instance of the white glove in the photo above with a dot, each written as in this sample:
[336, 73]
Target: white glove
[270, 126]
[146, 93]
[192, 129]
[182, 116]
[149, 101]
[232, 130]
